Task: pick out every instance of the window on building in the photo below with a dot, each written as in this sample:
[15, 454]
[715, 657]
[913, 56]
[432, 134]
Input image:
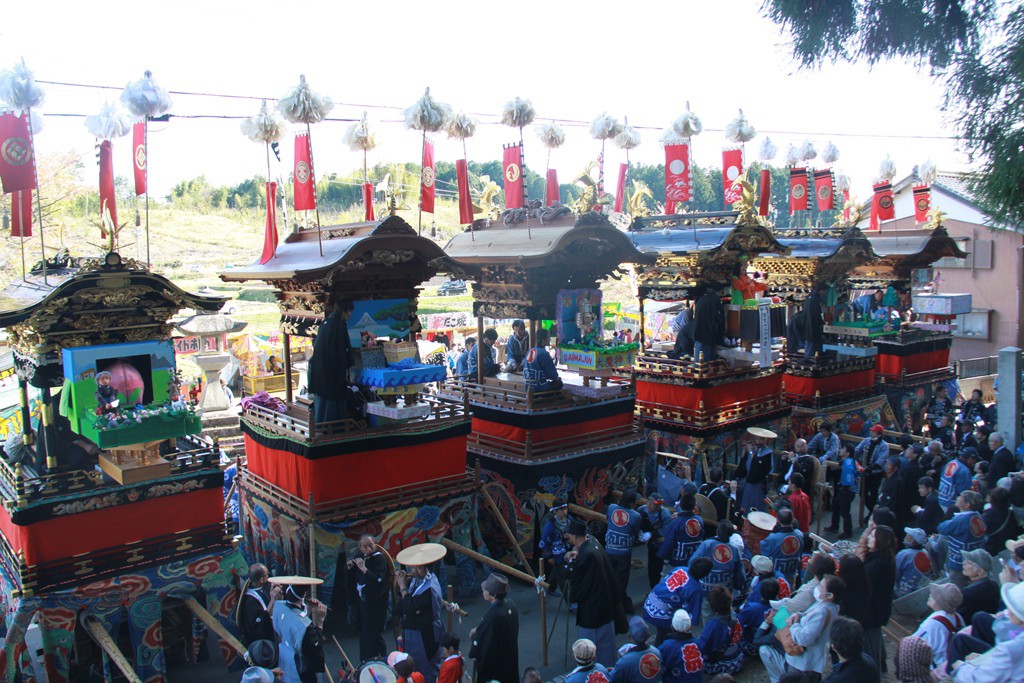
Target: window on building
[973, 325]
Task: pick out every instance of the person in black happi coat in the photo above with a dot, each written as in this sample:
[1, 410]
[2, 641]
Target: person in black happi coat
[256, 606]
[329, 365]
[372, 573]
[592, 588]
[709, 324]
[496, 639]
[814, 322]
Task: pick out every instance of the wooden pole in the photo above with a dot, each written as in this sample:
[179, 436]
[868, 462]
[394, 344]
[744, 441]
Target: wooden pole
[288, 369]
[215, 626]
[494, 564]
[508, 532]
[342, 651]
[479, 349]
[451, 615]
[312, 179]
[543, 615]
[39, 201]
[145, 141]
[109, 647]
[312, 543]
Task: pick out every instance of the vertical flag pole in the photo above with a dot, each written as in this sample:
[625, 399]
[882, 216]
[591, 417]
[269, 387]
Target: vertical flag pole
[145, 140]
[526, 185]
[419, 224]
[312, 178]
[39, 202]
[465, 155]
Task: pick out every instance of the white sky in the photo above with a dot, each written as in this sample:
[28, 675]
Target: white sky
[573, 59]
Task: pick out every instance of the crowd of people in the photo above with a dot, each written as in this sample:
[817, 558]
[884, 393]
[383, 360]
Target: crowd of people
[938, 517]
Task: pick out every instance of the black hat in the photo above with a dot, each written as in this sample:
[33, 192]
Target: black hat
[577, 527]
[263, 653]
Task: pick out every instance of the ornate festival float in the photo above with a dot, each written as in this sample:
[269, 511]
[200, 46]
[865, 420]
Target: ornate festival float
[112, 526]
[696, 400]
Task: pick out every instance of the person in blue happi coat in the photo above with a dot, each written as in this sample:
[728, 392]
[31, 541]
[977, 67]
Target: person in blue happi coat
[783, 545]
[623, 533]
[684, 534]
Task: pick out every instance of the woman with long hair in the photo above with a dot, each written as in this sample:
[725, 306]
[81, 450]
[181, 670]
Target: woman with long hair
[880, 567]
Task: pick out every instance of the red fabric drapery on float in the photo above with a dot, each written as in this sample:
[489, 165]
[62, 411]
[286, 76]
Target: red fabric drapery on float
[836, 384]
[713, 397]
[518, 434]
[61, 537]
[918, 362]
[350, 474]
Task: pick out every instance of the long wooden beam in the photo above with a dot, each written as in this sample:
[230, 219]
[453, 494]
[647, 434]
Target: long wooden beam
[215, 626]
[508, 532]
[493, 564]
[109, 647]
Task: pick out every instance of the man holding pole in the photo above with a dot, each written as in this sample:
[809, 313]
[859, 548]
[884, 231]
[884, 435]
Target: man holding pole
[373, 586]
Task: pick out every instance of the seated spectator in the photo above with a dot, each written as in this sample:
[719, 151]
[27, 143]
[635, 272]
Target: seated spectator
[965, 531]
[681, 661]
[1002, 660]
[809, 630]
[941, 624]
[914, 661]
[588, 669]
[681, 589]
[928, 514]
[914, 567]
[639, 661]
[820, 566]
[784, 545]
[539, 371]
[751, 615]
[981, 594]
[854, 665]
[719, 641]
[1000, 522]
[684, 534]
[763, 568]
[483, 356]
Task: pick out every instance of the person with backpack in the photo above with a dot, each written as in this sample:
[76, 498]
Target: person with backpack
[943, 622]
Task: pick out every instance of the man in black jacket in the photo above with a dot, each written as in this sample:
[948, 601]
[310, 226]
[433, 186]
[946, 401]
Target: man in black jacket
[329, 365]
[709, 323]
[592, 588]
[814, 322]
[496, 639]
[928, 514]
[372, 572]
[1002, 462]
[256, 606]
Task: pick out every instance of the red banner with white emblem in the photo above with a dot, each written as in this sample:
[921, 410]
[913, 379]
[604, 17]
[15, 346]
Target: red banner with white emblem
[513, 169]
[139, 157]
[883, 201]
[824, 190]
[270, 233]
[427, 178]
[305, 184]
[620, 188]
[677, 176]
[797, 189]
[368, 200]
[732, 168]
[21, 213]
[108, 200]
[17, 162]
[552, 192]
[465, 200]
[922, 202]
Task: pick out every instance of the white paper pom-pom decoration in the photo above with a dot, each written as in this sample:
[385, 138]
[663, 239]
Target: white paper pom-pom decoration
[768, 150]
[629, 138]
[808, 151]
[304, 105]
[552, 135]
[518, 113]
[18, 89]
[793, 156]
[928, 172]
[359, 137]
[112, 122]
[829, 153]
[842, 182]
[605, 127]
[461, 126]
[266, 126]
[427, 114]
[739, 129]
[145, 98]
[688, 124]
[887, 171]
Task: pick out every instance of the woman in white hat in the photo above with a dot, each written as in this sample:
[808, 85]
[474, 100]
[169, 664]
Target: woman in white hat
[1003, 663]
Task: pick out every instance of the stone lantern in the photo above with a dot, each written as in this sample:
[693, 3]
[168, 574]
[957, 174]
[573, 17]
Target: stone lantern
[212, 331]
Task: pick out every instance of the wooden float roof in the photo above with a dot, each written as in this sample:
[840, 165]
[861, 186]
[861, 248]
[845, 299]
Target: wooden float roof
[347, 249]
[544, 244]
[899, 254]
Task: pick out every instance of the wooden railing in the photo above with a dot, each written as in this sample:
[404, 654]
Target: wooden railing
[296, 422]
[534, 451]
[19, 489]
[798, 364]
[928, 376]
[653, 364]
[515, 396]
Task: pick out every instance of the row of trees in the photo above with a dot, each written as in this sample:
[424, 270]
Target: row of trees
[338, 193]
